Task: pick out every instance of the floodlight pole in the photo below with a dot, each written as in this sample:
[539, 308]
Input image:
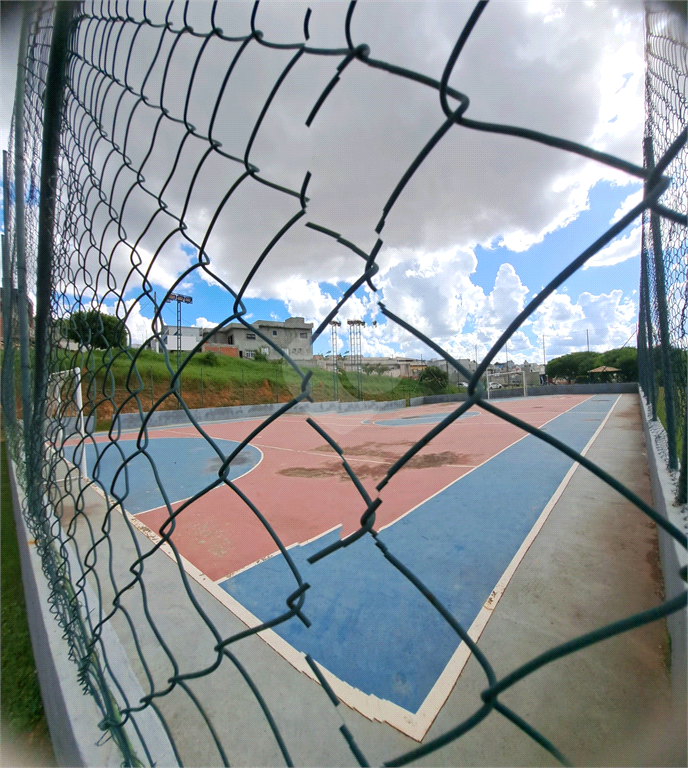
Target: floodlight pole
[355, 345]
[334, 325]
[180, 300]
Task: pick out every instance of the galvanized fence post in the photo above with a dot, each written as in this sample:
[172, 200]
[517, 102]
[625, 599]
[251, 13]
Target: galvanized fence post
[8, 404]
[663, 313]
[50, 152]
[645, 334]
[22, 304]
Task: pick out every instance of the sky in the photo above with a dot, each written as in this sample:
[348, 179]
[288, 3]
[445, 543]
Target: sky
[482, 226]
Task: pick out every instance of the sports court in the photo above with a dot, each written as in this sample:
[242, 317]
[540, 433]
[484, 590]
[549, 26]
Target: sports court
[460, 515]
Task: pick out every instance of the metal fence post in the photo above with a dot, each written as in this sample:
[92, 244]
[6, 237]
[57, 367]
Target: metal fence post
[8, 404]
[645, 335]
[663, 313]
[50, 152]
[22, 304]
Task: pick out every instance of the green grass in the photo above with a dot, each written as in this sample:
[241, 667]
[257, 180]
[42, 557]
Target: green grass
[210, 380]
[23, 719]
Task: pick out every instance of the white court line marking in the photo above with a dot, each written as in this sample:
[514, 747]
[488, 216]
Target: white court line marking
[523, 437]
[335, 455]
[414, 726]
[439, 693]
[96, 483]
[267, 557]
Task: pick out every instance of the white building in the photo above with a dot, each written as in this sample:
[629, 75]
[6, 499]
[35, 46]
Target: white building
[236, 340]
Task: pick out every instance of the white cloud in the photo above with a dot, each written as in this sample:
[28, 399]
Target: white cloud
[506, 299]
[618, 250]
[140, 327]
[305, 298]
[605, 321]
[568, 69]
[630, 202]
[560, 70]
[433, 291]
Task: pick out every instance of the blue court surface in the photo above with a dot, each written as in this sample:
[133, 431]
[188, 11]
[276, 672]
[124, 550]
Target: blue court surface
[370, 626]
[185, 465]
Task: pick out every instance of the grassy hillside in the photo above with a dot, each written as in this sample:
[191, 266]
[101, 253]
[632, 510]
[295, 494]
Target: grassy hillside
[210, 380]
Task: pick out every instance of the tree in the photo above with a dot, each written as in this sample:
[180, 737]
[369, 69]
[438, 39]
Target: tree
[97, 330]
[434, 378]
[371, 368]
[575, 366]
[572, 366]
[625, 359]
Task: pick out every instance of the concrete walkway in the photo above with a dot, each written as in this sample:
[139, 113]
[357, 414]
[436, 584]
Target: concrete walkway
[594, 561]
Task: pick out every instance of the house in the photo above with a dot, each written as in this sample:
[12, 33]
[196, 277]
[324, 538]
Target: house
[293, 336]
[190, 336]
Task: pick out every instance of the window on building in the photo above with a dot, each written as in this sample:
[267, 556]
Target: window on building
[230, 338]
[250, 335]
[304, 334]
[248, 353]
[274, 333]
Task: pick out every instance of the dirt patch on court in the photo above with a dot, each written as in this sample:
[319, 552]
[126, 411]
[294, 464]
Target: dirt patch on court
[380, 452]
[434, 460]
[326, 470]
[374, 471]
[213, 464]
[371, 448]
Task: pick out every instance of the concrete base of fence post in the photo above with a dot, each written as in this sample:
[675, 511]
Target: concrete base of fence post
[673, 557]
[72, 715]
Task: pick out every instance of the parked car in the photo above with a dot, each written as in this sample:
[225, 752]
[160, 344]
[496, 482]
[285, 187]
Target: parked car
[495, 385]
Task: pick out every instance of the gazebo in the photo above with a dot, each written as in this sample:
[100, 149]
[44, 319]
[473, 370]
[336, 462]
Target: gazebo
[605, 369]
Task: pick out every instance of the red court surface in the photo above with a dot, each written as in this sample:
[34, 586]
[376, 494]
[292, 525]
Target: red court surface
[302, 489]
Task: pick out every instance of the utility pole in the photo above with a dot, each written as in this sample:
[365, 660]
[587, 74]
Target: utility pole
[544, 357]
[587, 338]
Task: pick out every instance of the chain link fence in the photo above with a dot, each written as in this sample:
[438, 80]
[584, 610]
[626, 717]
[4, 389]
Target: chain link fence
[663, 316]
[103, 131]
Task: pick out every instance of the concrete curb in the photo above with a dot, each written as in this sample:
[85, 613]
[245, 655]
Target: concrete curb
[72, 717]
[612, 388]
[204, 415]
[72, 714]
[673, 557]
[230, 413]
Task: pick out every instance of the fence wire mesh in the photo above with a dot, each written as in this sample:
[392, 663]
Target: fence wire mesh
[663, 319]
[106, 124]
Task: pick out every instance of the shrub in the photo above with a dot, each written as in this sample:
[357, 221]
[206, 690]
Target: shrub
[209, 359]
